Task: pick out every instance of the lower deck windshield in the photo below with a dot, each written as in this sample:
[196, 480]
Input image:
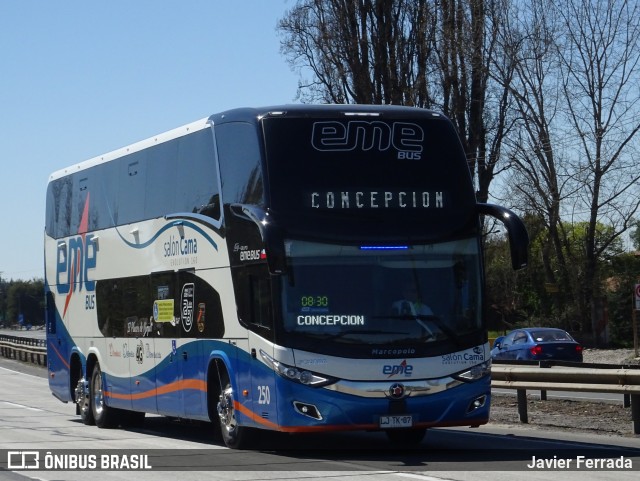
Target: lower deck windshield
[383, 294]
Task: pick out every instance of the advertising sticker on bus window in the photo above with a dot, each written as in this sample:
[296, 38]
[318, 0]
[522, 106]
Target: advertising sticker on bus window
[162, 292]
[186, 306]
[163, 310]
[201, 318]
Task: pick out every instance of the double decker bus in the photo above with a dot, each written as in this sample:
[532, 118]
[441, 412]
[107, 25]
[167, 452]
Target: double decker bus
[293, 268]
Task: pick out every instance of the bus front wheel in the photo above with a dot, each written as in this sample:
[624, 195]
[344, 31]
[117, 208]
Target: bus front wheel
[233, 435]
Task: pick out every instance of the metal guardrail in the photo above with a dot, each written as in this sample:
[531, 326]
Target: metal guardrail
[573, 377]
[24, 349]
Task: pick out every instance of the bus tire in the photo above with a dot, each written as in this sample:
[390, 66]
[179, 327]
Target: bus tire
[82, 397]
[406, 437]
[233, 435]
[103, 415]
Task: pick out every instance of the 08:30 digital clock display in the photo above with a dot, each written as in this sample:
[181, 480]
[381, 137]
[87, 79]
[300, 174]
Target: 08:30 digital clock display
[314, 301]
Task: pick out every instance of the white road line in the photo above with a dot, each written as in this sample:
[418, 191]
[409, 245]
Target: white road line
[424, 477]
[13, 371]
[22, 406]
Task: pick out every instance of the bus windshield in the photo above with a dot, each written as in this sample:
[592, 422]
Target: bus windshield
[380, 294]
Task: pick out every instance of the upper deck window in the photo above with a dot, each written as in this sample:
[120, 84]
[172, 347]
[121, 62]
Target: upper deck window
[172, 177]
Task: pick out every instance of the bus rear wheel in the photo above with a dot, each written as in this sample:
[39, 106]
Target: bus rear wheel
[103, 415]
[82, 397]
[406, 437]
[233, 435]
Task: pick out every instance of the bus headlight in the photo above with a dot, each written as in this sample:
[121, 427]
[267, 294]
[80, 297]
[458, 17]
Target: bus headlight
[305, 377]
[475, 373]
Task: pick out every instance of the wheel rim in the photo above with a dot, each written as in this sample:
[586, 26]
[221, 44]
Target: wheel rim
[98, 395]
[82, 396]
[226, 412]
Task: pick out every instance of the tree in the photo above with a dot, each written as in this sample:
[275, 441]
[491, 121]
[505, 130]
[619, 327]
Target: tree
[4, 287]
[624, 273]
[367, 51]
[26, 298]
[600, 71]
[635, 235]
[539, 174]
[516, 298]
[575, 96]
[405, 52]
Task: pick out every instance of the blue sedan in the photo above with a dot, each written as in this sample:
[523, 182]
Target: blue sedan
[537, 344]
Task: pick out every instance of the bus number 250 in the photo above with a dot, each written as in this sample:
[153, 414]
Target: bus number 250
[264, 395]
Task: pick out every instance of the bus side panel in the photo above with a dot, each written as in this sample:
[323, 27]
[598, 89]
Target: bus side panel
[126, 386]
[169, 378]
[114, 356]
[194, 393]
[58, 351]
[143, 375]
[263, 400]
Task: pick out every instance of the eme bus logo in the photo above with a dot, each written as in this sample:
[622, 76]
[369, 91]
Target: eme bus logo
[404, 137]
[74, 258]
[391, 370]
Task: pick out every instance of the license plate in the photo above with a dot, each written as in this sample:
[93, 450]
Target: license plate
[392, 422]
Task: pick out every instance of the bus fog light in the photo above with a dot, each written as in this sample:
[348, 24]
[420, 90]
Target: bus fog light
[308, 410]
[477, 403]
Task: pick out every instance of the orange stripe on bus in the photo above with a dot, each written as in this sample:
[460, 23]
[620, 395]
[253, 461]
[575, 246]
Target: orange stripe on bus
[196, 384]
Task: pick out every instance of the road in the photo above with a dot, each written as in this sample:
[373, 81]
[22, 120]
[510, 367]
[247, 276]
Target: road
[32, 419]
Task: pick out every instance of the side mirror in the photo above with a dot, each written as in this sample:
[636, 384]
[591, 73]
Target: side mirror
[498, 342]
[517, 232]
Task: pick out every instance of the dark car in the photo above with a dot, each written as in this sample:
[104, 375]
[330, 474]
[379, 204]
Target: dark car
[537, 344]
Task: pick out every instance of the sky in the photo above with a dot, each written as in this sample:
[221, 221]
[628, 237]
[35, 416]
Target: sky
[82, 78]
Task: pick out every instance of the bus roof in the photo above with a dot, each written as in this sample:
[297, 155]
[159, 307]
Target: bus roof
[130, 149]
[250, 114]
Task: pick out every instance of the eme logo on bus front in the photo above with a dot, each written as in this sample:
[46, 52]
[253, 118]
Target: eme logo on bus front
[391, 370]
[404, 137]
